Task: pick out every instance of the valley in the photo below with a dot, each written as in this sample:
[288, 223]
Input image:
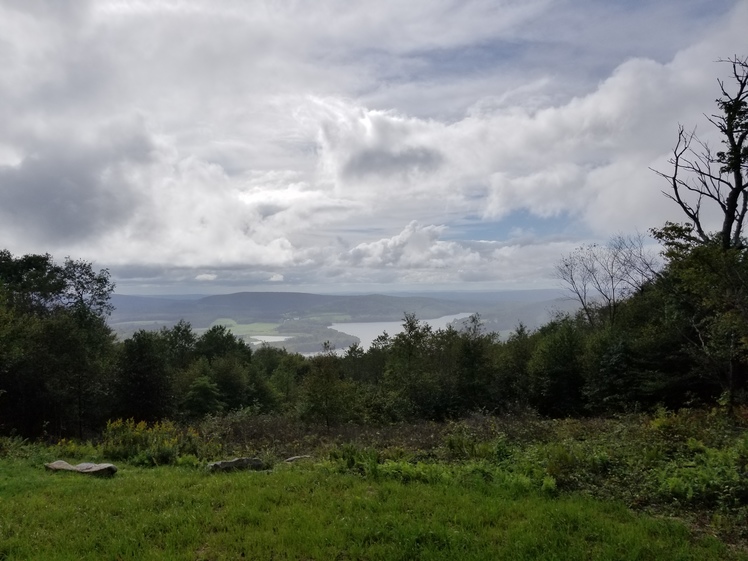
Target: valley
[303, 322]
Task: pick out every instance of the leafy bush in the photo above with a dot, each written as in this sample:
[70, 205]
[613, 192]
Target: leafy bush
[161, 443]
[15, 447]
[355, 459]
[713, 427]
[711, 477]
[475, 439]
[67, 448]
[563, 463]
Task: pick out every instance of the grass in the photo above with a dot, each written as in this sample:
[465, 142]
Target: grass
[329, 318]
[673, 485]
[312, 511]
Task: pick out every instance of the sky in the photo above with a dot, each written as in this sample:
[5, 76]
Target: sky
[213, 146]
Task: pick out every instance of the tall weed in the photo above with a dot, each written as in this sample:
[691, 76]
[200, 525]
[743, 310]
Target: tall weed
[161, 443]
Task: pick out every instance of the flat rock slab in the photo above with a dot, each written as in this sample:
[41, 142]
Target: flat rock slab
[237, 464]
[296, 458]
[103, 470]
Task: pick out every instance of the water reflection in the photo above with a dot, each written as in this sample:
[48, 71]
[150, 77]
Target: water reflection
[370, 330]
[259, 339]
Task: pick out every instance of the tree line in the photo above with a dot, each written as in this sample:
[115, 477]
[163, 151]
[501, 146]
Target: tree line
[651, 331]
[679, 339]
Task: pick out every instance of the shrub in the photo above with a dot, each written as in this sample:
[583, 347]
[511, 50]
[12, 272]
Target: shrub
[15, 447]
[161, 443]
[711, 478]
[74, 449]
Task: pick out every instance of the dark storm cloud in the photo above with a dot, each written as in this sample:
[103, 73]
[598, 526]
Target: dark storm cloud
[386, 163]
[71, 191]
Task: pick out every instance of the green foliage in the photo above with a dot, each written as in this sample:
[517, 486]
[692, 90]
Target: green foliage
[384, 406]
[690, 463]
[161, 443]
[611, 379]
[465, 442]
[230, 374]
[202, 398]
[568, 367]
[710, 477]
[36, 285]
[180, 342]
[555, 369]
[312, 512]
[407, 369]
[15, 447]
[218, 341]
[511, 360]
[71, 448]
[549, 485]
[284, 376]
[56, 351]
[704, 459]
[326, 396]
[144, 381]
[708, 288]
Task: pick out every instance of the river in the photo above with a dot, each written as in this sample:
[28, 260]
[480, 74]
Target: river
[370, 330]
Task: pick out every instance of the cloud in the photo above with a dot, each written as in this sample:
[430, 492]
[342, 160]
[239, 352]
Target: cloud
[415, 247]
[70, 189]
[385, 163]
[203, 277]
[383, 142]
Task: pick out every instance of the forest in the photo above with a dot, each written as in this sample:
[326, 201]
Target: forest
[677, 340]
[651, 332]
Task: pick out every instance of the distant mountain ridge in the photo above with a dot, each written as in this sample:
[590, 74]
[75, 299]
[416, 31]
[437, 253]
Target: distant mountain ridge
[500, 311]
[249, 307]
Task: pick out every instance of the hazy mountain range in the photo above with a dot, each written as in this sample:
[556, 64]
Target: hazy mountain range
[304, 318]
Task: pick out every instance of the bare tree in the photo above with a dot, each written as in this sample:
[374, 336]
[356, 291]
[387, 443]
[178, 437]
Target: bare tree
[601, 276]
[575, 274]
[639, 265]
[699, 175]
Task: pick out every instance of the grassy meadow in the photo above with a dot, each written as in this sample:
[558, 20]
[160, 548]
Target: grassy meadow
[305, 335]
[312, 511]
[662, 487]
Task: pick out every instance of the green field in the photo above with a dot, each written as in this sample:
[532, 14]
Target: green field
[301, 336]
[244, 329]
[311, 511]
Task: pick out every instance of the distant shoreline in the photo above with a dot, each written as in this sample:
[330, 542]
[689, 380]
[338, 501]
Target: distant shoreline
[367, 331]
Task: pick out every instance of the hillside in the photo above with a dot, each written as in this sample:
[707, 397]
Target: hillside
[304, 318]
[249, 307]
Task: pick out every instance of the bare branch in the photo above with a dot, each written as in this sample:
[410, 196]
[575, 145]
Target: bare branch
[601, 277]
[701, 176]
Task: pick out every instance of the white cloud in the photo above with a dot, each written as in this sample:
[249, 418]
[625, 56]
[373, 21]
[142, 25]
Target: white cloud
[415, 247]
[345, 142]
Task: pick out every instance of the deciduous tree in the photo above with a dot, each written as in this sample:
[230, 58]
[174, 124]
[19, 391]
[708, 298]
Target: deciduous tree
[601, 276]
[702, 179]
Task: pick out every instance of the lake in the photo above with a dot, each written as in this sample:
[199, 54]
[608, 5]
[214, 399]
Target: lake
[370, 330]
[268, 339]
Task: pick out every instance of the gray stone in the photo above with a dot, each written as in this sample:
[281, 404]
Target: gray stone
[102, 470]
[237, 464]
[294, 458]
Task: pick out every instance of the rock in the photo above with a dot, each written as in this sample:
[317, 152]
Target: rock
[102, 470]
[294, 458]
[237, 464]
